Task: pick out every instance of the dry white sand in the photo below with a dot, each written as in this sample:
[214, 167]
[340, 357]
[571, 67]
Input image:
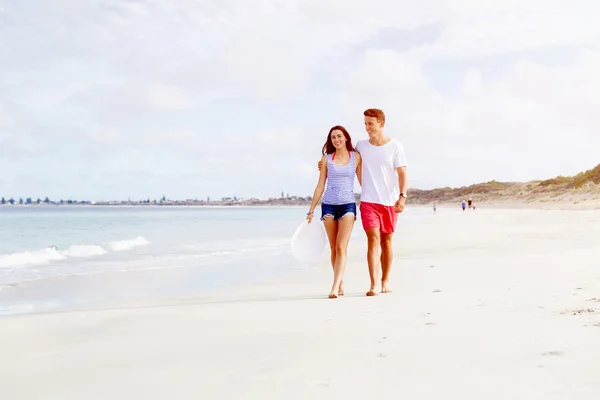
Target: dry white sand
[486, 305]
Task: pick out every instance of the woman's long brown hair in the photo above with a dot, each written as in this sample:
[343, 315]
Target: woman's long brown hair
[329, 148]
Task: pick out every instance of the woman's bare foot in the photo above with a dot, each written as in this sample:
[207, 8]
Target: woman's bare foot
[341, 290]
[333, 296]
[372, 292]
[385, 287]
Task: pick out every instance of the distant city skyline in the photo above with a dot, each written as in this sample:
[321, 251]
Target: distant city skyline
[46, 200]
[130, 99]
[164, 201]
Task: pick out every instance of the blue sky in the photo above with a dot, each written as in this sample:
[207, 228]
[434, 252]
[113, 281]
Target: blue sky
[107, 99]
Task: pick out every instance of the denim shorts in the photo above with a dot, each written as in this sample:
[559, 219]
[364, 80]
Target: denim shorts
[338, 210]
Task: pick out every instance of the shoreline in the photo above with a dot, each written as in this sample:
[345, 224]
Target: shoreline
[9, 289]
[500, 205]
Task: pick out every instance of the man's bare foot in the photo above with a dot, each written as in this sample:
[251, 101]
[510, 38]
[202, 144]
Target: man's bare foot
[371, 292]
[333, 296]
[385, 287]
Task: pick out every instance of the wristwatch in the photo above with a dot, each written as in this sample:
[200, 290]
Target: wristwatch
[403, 194]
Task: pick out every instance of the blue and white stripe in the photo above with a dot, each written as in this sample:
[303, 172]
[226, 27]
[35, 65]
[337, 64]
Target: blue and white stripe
[340, 182]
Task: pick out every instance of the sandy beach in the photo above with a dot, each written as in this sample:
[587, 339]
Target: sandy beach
[487, 304]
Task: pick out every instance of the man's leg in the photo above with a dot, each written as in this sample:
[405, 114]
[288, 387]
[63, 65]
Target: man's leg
[371, 221]
[387, 256]
[388, 226]
[373, 257]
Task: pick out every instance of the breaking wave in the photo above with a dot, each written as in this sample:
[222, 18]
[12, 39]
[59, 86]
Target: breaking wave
[53, 253]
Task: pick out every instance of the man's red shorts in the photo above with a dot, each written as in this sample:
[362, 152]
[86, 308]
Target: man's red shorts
[378, 216]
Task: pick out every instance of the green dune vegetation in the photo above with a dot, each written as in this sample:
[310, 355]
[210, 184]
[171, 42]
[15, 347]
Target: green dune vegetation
[581, 188]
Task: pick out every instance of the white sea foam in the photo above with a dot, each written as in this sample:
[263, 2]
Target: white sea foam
[84, 251]
[50, 254]
[127, 244]
[37, 257]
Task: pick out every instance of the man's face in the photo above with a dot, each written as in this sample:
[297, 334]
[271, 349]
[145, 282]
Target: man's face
[373, 126]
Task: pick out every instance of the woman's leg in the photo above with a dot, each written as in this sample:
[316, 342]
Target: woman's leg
[331, 227]
[345, 225]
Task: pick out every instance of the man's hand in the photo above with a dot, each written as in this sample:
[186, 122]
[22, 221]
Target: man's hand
[399, 206]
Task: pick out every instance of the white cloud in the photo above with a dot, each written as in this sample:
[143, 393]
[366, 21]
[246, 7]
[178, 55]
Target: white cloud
[6, 121]
[16, 147]
[243, 93]
[474, 28]
[167, 97]
[527, 124]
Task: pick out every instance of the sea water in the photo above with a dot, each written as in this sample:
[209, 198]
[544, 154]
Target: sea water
[54, 257]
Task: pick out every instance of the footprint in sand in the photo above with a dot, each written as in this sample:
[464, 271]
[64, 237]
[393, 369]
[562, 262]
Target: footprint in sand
[594, 299]
[323, 384]
[437, 291]
[429, 323]
[553, 353]
[579, 311]
[584, 311]
[596, 324]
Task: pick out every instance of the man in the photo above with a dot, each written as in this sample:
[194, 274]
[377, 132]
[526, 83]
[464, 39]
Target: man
[383, 195]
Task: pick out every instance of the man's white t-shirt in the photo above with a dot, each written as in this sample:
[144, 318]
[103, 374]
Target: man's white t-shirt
[379, 175]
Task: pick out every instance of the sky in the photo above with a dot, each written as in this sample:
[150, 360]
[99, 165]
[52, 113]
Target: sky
[117, 99]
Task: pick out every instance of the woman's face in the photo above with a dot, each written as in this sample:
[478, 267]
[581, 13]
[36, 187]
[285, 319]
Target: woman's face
[338, 139]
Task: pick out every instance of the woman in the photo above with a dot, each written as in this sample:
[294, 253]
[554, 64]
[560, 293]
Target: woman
[338, 208]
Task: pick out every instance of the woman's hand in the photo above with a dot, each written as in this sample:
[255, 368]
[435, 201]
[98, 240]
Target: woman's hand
[309, 216]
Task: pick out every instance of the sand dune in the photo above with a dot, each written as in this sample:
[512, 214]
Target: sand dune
[581, 191]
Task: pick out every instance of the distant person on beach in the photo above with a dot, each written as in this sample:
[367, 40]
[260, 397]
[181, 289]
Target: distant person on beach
[383, 195]
[470, 202]
[341, 163]
[463, 205]
[434, 209]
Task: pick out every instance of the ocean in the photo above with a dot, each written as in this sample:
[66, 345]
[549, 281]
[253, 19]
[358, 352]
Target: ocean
[64, 257]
